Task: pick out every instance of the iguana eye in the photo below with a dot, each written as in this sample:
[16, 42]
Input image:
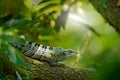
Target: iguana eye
[70, 51]
[63, 53]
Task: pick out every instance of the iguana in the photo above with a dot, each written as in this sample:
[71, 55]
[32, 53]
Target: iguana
[49, 54]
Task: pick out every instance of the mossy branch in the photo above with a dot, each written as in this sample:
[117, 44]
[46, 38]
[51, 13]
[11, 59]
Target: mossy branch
[42, 71]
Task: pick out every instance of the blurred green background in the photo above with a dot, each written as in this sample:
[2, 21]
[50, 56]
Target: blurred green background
[71, 24]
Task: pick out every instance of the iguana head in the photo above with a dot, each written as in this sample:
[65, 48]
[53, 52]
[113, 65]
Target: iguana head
[69, 52]
[66, 53]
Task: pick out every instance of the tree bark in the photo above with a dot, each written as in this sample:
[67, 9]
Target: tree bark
[42, 71]
[111, 13]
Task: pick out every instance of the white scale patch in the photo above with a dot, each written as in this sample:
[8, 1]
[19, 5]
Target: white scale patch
[39, 52]
[47, 52]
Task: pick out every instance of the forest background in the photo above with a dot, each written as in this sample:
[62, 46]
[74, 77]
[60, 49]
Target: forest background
[74, 24]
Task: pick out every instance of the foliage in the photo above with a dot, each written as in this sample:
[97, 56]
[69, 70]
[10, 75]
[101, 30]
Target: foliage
[25, 19]
[38, 21]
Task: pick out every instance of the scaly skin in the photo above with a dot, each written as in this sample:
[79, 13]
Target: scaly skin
[50, 54]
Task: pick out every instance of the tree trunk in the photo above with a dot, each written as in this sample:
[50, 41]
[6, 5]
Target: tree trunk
[111, 13]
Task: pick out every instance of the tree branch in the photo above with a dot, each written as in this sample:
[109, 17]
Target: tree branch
[42, 71]
[111, 13]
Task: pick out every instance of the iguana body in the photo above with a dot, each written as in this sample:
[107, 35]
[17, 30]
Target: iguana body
[40, 52]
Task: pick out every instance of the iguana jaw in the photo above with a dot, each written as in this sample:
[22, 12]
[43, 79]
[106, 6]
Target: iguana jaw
[73, 52]
[70, 52]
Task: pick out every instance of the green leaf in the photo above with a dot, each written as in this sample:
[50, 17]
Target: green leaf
[103, 4]
[4, 19]
[42, 5]
[18, 75]
[19, 23]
